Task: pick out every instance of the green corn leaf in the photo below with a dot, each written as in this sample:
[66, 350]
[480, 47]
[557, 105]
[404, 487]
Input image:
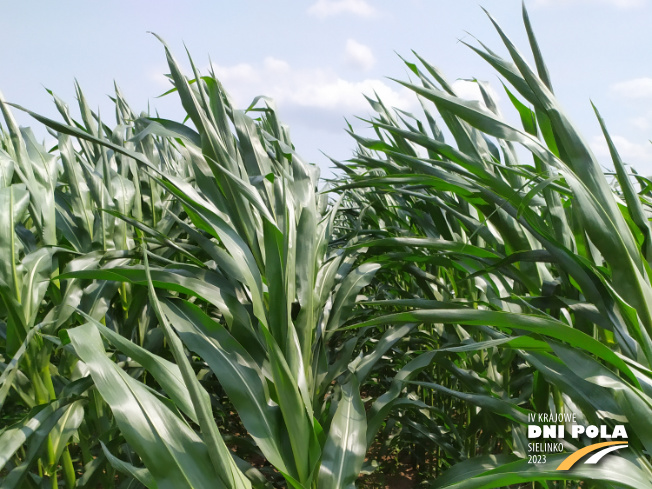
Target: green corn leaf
[238, 373]
[173, 453]
[346, 443]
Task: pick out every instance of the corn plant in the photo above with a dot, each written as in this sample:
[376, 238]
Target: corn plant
[534, 276]
[59, 219]
[252, 286]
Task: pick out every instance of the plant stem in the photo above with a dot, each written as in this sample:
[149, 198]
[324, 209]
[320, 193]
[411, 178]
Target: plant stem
[68, 469]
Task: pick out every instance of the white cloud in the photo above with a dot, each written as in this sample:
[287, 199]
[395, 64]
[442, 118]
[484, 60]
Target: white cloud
[239, 74]
[359, 55]
[336, 93]
[329, 8]
[635, 88]
[308, 88]
[471, 91]
[275, 65]
[644, 123]
[160, 79]
[155, 74]
[622, 4]
[637, 154]
[467, 89]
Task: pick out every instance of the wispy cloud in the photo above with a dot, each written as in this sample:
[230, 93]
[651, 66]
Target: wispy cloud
[643, 122]
[317, 89]
[633, 153]
[635, 88]
[470, 90]
[329, 8]
[359, 55]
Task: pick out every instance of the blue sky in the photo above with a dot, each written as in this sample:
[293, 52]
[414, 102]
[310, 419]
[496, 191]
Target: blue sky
[316, 57]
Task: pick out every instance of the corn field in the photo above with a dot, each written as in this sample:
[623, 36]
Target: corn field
[189, 305]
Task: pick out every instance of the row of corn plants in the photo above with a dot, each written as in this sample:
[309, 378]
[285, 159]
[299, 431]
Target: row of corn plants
[530, 278]
[61, 206]
[197, 282]
[190, 306]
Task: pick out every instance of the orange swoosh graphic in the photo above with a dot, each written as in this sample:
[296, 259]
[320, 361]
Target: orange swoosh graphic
[574, 457]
